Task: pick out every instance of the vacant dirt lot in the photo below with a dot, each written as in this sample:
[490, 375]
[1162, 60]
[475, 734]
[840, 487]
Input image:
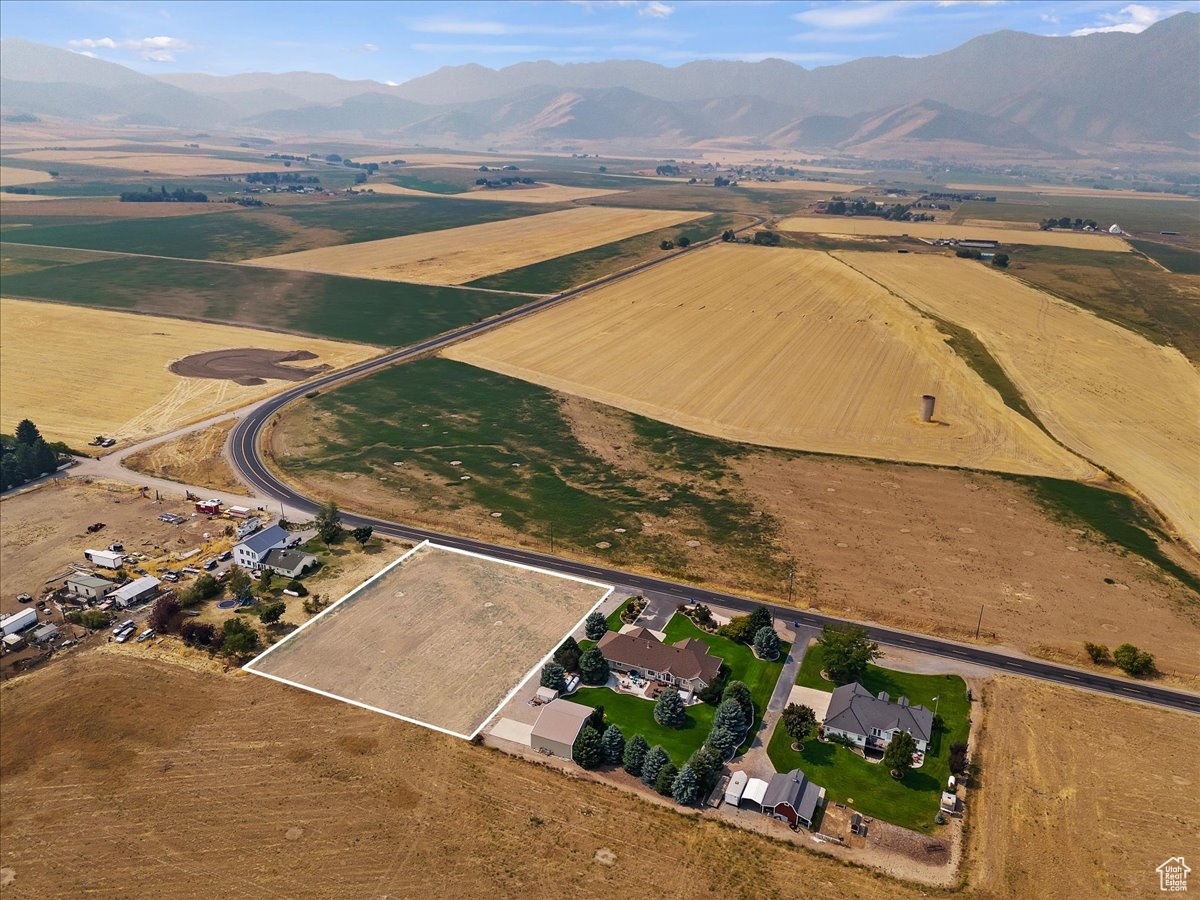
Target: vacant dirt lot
[459, 255]
[1082, 796]
[80, 372]
[196, 458]
[442, 638]
[10, 175]
[1102, 390]
[247, 366]
[156, 163]
[176, 774]
[869, 225]
[787, 348]
[534, 193]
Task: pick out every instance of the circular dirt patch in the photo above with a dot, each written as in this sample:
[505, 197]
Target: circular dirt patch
[247, 365]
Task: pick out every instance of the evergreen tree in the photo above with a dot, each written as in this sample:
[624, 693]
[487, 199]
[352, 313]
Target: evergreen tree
[27, 433]
[655, 759]
[669, 711]
[587, 751]
[614, 745]
[737, 690]
[596, 626]
[730, 715]
[686, 789]
[723, 742]
[593, 667]
[567, 654]
[766, 643]
[635, 755]
[759, 618]
[553, 677]
[665, 780]
[706, 764]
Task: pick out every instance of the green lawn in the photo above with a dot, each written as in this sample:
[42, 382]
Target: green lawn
[911, 802]
[636, 716]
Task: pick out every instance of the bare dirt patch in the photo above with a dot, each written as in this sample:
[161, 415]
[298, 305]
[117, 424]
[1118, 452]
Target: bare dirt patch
[247, 365]
[196, 458]
[441, 638]
[1085, 793]
[129, 741]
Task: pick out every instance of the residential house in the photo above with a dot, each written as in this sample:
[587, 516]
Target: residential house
[288, 563]
[687, 665]
[871, 721]
[250, 552]
[557, 726]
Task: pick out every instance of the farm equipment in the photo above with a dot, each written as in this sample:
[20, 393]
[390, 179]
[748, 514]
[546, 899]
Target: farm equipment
[94, 527]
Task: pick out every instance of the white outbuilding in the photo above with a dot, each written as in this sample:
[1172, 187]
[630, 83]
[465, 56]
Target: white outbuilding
[753, 795]
[735, 788]
[139, 589]
[18, 621]
[557, 726]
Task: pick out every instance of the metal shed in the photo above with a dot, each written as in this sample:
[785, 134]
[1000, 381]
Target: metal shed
[735, 788]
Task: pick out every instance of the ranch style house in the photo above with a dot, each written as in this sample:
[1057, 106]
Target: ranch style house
[687, 665]
[871, 722]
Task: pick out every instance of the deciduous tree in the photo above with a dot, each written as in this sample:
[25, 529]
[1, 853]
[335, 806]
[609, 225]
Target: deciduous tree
[798, 721]
[271, 612]
[329, 522]
[362, 534]
[847, 652]
[899, 753]
[166, 615]
[1132, 661]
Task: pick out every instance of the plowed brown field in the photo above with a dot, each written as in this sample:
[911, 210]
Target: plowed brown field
[787, 348]
[1110, 394]
[459, 255]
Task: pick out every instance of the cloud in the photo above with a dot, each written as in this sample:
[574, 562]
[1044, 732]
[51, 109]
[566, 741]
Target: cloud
[851, 13]
[842, 37]
[1132, 19]
[155, 49]
[969, 2]
[369, 48]
[655, 9]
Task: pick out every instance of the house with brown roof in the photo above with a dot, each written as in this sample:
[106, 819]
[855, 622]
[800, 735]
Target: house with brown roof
[687, 665]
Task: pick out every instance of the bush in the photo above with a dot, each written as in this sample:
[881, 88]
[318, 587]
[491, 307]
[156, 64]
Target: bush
[198, 634]
[297, 588]
[1000, 260]
[766, 238]
[666, 245]
[683, 241]
[593, 668]
[237, 638]
[554, 677]
[1098, 653]
[1132, 661]
[272, 612]
[94, 618]
[635, 755]
[314, 604]
[669, 711]
[958, 756]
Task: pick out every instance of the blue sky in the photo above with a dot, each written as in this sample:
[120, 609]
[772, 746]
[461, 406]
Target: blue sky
[396, 41]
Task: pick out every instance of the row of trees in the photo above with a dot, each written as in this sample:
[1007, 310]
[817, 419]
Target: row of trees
[162, 195]
[1076, 224]
[896, 212]
[27, 455]
[1129, 658]
[999, 260]
[757, 630]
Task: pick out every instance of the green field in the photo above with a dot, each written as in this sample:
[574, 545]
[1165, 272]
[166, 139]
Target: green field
[1179, 260]
[430, 412]
[435, 185]
[554, 275]
[636, 716]
[868, 787]
[353, 309]
[251, 233]
[1131, 213]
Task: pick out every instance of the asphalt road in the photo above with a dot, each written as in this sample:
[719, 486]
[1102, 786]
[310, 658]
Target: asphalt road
[244, 453]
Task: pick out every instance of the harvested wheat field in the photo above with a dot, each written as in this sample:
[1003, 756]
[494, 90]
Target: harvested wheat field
[1107, 393]
[80, 372]
[870, 226]
[397, 644]
[10, 175]
[182, 772]
[538, 193]
[156, 163]
[787, 348]
[1082, 795]
[195, 458]
[827, 187]
[111, 207]
[1066, 190]
[459, 255]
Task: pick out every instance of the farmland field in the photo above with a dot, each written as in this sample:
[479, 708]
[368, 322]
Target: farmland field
[10, 176]
[1055, 563]
[57, 371]
[870, 225]
[1038, 775]
[785, 348]
[1101, 389]
[1148, 213]
[538, 193]
[303, 778]
[350, 309]
[460, 255]
[440, 638]
[155, 163]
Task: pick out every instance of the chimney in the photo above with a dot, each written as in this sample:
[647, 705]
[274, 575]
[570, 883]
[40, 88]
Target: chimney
[927, 401]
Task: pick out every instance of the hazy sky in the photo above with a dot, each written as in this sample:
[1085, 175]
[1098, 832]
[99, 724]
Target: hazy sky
[397, 41]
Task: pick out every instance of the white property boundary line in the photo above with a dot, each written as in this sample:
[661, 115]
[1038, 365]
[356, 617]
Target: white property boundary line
[426, 544]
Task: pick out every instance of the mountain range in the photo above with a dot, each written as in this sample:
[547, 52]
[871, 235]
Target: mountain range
[1006, 93]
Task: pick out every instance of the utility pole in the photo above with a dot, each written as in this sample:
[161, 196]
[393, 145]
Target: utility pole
[980, 622]
[552, 536]
[791, 578]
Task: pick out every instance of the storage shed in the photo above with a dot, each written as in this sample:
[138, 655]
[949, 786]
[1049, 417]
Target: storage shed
[89, 586]
[557, 726]
[137, 590]
[46, 633]
[752, 797]
[735, 788]
[18, 621]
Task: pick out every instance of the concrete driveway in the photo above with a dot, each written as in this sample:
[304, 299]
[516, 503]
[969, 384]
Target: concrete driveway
[817, 701]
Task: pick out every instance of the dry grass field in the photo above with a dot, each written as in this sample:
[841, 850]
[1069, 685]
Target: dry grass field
[421, 159]
[827, 187]
[80, 372]
[543, 192]
[871, 226]
[459, 255]
[181, 773]
[441, 638]
[1082, 795]
[156, 163]
[1064, 190]
[111, 207]
[10, 175]
[196, 458]
[787, 348]
[1106, 392]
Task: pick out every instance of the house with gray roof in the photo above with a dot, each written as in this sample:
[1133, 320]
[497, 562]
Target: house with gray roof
[289, 563]
[249, 553]
[871, 721]
[791, 797]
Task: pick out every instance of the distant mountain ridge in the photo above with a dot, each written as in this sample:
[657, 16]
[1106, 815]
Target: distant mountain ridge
[1006, 92]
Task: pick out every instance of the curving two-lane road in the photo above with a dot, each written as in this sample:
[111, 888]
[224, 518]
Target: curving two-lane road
[246, 458]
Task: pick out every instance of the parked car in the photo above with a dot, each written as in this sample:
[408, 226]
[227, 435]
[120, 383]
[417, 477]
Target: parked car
[170, 576]
[145, 635]
[24, 598]
[126, 634]
[228, 554]
[210, 565]
[128, 623]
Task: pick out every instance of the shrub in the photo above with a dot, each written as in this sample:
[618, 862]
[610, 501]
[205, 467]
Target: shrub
[297, 588]
[94, 618]
[766, 238]
[237, 638]
[1132, 661]
[666, 245]
[272, 612]
[314, 604]
[198, 634]
[1098, 653]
